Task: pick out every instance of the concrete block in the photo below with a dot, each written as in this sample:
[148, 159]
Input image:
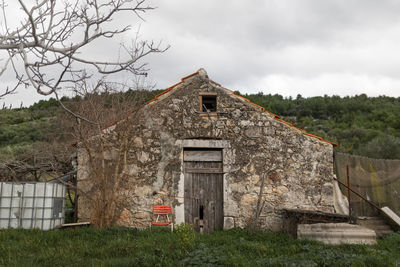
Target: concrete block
[336, 233]
[393, 216]
[229, 223]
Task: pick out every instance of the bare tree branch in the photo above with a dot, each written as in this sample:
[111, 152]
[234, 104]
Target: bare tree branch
[50, 44]
[104, 150]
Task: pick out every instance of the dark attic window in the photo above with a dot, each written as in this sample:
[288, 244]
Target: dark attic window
[208, 103]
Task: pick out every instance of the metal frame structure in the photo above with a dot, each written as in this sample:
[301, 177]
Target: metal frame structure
[32, 205]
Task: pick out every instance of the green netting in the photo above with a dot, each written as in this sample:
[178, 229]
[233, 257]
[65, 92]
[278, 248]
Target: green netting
[376, 179]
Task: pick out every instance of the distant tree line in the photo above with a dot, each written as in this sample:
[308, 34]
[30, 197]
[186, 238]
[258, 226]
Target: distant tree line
[35, 142]
[362, 125]
[367, 126]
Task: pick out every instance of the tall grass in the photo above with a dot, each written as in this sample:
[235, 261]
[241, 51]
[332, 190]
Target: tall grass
[160, 247]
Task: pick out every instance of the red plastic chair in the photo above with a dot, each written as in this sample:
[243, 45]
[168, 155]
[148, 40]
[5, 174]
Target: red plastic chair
[162, 210]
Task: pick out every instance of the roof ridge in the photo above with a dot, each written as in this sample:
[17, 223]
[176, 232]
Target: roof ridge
[276, 117]
[171, 87]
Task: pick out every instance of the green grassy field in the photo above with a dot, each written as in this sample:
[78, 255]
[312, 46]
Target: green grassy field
[237, 247]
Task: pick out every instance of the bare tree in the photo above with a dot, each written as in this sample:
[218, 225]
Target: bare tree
[254, 221]
[104, 149]
[38, 162]
[49, 48]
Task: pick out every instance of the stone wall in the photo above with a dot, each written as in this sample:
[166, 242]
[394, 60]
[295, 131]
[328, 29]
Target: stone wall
[300, 167]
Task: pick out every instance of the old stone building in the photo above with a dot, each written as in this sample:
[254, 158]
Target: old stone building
[204, 150]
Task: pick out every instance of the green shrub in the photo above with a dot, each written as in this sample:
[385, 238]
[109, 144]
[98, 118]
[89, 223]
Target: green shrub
[186, 236]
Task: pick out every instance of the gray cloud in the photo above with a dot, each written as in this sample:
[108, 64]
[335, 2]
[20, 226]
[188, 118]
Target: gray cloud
[283, 43]
[311, 47]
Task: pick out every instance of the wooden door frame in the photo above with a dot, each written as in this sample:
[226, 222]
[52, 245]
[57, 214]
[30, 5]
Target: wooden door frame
[203, 189]
[228, 161]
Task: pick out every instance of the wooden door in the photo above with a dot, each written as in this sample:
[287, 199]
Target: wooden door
[204, 189]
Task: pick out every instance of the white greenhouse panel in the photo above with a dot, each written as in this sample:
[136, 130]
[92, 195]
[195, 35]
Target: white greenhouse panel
[32, 205]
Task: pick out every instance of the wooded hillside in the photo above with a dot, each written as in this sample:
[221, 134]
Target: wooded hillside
[361, 125]
[367, 126]
[35, 142]
[22, 128]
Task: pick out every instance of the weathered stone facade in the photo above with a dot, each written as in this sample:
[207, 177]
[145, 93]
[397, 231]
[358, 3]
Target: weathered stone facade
[253, 142]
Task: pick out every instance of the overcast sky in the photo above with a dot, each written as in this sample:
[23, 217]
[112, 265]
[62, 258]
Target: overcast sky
[287, 47]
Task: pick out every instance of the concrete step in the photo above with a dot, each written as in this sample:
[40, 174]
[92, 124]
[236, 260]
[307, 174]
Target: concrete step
[336, 233]
[377, 224]
[376, 227]
[382, 233]
[370, 219]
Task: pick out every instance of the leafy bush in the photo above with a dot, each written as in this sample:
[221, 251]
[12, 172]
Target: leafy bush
[385, 147]
[186, 236]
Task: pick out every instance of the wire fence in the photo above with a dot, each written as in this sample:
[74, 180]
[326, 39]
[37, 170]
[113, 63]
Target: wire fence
[376, 179]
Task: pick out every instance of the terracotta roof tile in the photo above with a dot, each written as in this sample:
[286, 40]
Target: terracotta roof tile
[276, 117]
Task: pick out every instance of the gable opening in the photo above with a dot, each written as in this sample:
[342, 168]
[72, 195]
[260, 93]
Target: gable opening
[209, 103]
